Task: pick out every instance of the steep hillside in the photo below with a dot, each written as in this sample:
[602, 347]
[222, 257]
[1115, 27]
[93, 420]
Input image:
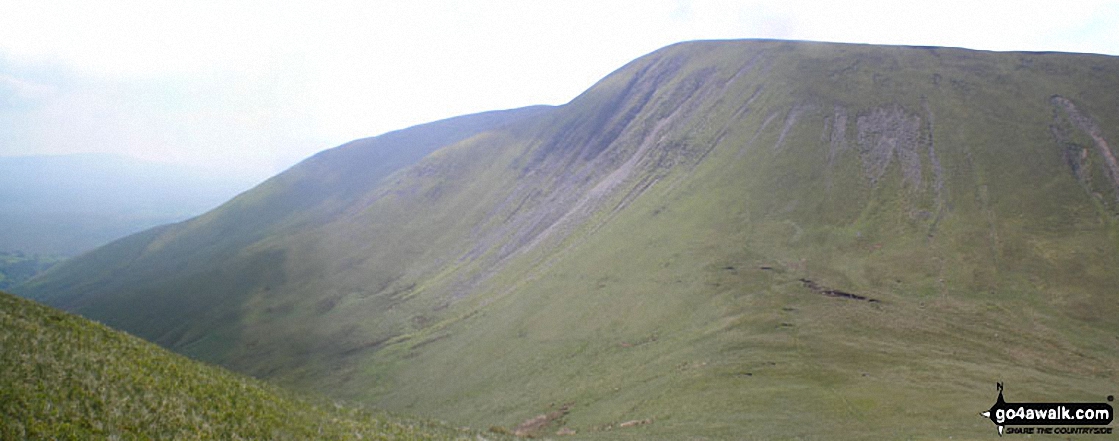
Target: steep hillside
[64, 377]
[192, 277]
[742, 238]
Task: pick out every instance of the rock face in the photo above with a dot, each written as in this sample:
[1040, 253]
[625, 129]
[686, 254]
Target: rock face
[888, 133]
[1066, 118]
[478, 269]
[837, 136]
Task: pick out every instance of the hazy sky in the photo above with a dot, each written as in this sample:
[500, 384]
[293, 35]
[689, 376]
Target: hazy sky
[253, 87]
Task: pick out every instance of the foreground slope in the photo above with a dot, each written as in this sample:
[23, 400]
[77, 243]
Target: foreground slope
[64, 377]
[727, 239]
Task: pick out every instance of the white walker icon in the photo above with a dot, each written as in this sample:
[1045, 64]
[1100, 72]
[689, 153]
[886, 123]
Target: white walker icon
[991, 413]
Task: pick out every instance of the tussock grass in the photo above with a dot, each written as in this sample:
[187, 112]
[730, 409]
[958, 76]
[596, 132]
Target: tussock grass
[64, 377]
[608, 252]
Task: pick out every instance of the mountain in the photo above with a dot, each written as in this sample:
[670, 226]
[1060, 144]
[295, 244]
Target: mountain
[67, 204]
[65, 377]
[720, 239]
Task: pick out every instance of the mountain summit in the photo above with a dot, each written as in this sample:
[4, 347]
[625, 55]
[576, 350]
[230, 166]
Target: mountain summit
[721, 238]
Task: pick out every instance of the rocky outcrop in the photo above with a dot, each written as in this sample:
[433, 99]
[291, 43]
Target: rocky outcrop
[1075, 154]
[837, 143]
[886, 133]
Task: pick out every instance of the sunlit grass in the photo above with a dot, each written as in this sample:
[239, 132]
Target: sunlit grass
[64, 377]
[528, 266]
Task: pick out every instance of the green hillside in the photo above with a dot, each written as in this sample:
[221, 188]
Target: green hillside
[720, 239]
[201, 270]
[64, 377]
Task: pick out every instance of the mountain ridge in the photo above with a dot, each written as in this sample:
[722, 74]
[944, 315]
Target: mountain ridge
[661, 248]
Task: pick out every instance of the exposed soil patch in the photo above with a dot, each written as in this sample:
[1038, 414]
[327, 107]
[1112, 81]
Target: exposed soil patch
[819, 289]
[536, 426]
[634, 423]
[624, 425]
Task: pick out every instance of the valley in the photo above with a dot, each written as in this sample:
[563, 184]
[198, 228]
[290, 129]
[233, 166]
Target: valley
[719, 240]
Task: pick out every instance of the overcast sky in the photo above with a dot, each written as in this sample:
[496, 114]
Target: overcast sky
[253, 87]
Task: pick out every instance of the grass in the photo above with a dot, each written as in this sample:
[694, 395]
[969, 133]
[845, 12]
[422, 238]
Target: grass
[64, 377]
[745, 352]
[527, 266]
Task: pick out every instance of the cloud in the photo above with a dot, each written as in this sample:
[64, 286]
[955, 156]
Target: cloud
[18, 93]
[262, 84]
[235, 123]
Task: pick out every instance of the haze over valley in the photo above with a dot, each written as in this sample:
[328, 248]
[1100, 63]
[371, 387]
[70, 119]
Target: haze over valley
[65, 205]
[720, 239]
[502, 220]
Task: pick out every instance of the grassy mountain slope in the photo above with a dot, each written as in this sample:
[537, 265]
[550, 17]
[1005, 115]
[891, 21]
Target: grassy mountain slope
[727, 239]
[193, 276]
[64, 377]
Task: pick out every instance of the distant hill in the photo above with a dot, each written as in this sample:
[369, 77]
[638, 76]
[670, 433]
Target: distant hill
[67, 204]
[17, 267]
[64, 377]
[721, 239]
